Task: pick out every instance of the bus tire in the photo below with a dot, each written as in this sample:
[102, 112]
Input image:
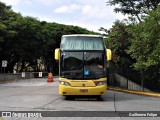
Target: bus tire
[98, 97]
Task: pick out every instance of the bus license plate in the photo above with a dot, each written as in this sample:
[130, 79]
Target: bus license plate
[84, 90]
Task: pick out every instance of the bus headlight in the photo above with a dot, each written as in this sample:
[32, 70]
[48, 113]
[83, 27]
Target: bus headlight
[64, 83]
[101, 83]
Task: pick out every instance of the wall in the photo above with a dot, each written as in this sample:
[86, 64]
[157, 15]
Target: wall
[28, 75]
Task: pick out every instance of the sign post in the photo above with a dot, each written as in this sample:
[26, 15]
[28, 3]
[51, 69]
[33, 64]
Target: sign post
[4, 65]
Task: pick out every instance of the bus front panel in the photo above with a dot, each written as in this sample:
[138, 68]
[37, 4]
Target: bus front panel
[82, 87]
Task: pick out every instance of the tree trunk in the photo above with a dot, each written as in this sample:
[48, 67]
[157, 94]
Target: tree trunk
[22, 66]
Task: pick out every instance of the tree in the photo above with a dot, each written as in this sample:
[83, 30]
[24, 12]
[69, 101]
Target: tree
[7, 17]
[145, 41]
[28, 42]
[118, 42]
[134, 7]
[145, 48]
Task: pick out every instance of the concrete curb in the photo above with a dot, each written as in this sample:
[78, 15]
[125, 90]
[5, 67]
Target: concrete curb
[135, 92]
[1, 118]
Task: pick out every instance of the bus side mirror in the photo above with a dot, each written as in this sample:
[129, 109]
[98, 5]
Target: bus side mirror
[57, 54]
[108, 54]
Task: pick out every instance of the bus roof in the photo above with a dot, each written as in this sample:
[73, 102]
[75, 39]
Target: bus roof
[82, 35]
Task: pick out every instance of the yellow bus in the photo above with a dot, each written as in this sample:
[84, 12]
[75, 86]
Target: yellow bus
[82, 65]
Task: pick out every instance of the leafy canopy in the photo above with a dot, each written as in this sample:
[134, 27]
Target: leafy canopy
[145, 41]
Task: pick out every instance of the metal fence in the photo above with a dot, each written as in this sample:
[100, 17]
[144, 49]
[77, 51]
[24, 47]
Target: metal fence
[128, 78]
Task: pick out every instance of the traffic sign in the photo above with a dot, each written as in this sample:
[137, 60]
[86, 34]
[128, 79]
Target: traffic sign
[23, 74]
[4, 63]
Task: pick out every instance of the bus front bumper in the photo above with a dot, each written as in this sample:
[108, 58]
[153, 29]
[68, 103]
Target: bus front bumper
[68, 90]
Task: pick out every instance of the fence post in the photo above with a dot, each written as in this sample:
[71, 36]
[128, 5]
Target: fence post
[127, 78]
[142, 79]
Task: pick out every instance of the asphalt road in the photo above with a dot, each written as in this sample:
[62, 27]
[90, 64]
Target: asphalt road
[39, 95]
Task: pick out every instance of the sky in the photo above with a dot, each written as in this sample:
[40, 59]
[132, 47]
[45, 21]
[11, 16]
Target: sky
[89, 14]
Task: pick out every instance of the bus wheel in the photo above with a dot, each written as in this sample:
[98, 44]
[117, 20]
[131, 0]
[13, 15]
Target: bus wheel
[70, 97]
[98, 97]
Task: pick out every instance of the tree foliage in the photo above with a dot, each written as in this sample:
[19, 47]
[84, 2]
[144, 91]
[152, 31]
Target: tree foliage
[26, 41]
[118, 42]
[145, 47]
[134, 7]
[141, 44]
[145, 41]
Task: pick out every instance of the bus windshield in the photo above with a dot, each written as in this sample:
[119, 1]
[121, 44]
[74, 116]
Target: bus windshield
[82, 57]
[82, 65]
